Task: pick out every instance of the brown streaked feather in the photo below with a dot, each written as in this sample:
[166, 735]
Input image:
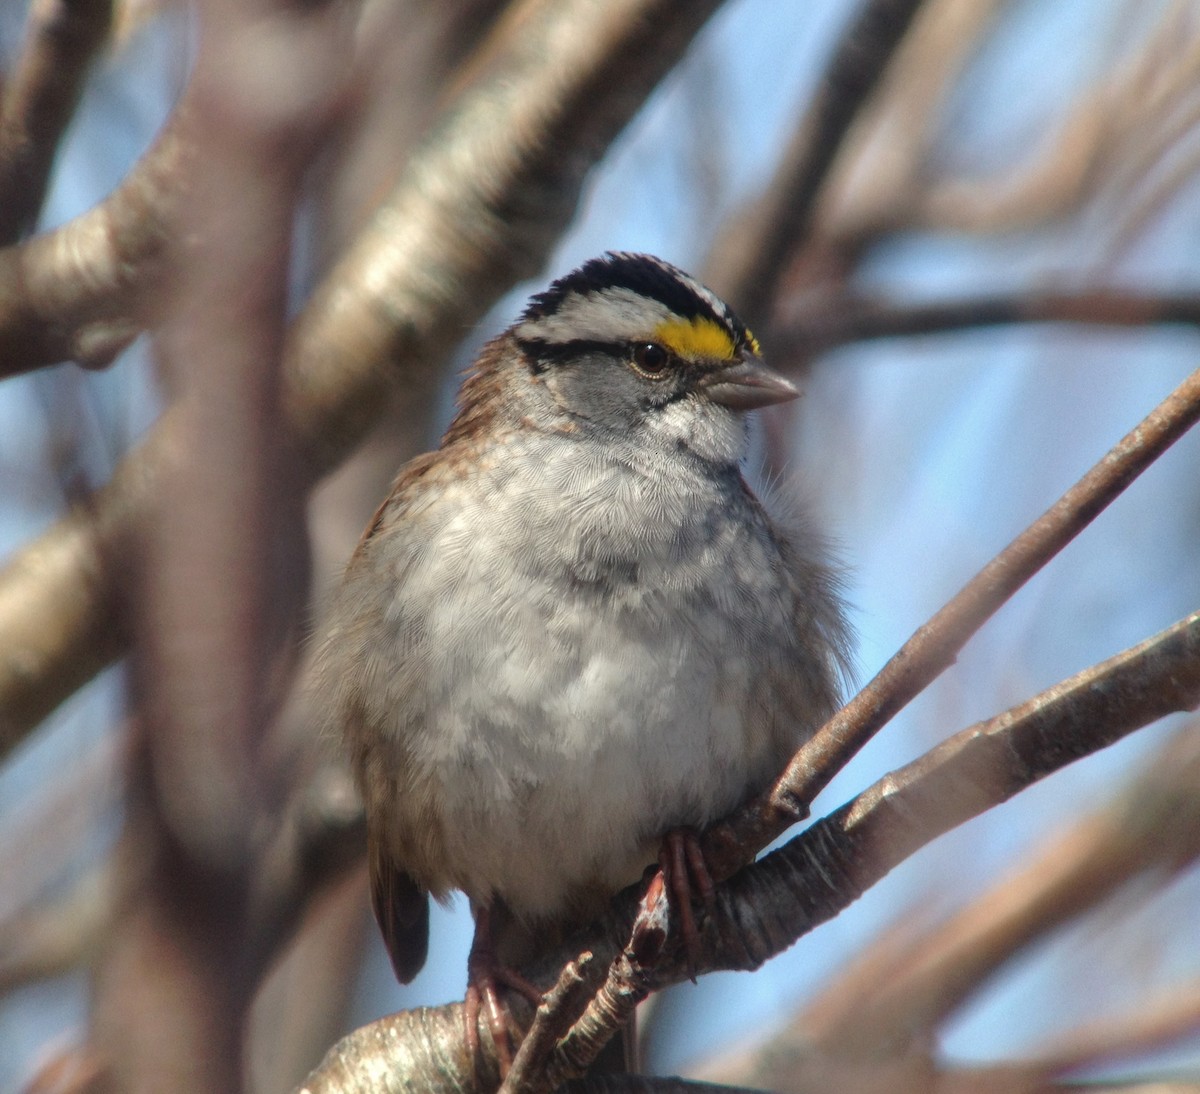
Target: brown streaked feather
[477, 402]
[401, 909]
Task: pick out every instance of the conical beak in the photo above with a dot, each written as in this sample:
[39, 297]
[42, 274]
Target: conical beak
[746, 385]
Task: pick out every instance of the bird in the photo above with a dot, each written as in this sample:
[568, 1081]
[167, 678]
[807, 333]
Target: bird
[574, 628]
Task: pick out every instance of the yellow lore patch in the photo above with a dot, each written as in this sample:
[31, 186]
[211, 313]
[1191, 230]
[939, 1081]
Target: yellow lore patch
[697, 338]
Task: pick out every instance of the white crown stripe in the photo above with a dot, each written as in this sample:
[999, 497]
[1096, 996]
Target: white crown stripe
[609, 315]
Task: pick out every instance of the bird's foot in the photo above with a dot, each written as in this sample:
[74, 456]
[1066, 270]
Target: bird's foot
[485, 977]
[682, 875]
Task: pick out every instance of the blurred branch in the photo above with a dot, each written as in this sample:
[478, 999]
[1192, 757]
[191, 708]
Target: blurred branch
[59, 934]
[310, 987]
[61, 619]
[1130, 117]
[880, 171]
[935, 645]
[39, 98]
[748, 262]
[78, 292]
[479, 208]
[318, 836]
[811, 331]
[1157, 1023]
[61, 891]
[409, 53]
[1153, 825]
[217, 582]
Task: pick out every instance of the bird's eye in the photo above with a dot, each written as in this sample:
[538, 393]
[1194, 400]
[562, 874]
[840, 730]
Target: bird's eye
[650, 358]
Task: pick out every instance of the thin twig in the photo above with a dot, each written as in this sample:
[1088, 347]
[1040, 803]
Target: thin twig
[1114, 134]
[885, 163]
[805, 334]
[558, 1011]
[935, 645]
[752, 261]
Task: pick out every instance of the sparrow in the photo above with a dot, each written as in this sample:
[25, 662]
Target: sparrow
[574, 627]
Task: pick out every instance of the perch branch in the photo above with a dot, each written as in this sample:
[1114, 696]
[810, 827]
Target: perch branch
[767, 906]
[935, 645]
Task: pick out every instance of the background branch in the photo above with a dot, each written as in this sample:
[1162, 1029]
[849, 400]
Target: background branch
[79, 292]
[39, 98]
[806, 333]
[749, 260]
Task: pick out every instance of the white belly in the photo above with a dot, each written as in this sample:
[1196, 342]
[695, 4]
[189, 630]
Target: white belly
[564, 753]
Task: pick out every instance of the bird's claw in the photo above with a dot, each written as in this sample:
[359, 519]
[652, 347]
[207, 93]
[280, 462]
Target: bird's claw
[682, 875]
[485, 976]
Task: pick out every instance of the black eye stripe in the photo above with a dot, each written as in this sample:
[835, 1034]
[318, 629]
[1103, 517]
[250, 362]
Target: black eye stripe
[552, 353]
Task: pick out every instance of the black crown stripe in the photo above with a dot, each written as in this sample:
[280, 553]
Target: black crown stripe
[640, 274]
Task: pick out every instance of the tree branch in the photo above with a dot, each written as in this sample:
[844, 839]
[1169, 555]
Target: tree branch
[767, 906]
[807, 333]
[753, 257]
[935, 645]
[39, 98]
[832, 862]
[217, 579]
[79, 292]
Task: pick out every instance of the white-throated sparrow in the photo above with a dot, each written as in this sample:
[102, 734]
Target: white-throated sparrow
[573, 627]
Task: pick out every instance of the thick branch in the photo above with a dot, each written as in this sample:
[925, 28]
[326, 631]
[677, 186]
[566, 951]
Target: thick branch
[79, 292]
[214, 573]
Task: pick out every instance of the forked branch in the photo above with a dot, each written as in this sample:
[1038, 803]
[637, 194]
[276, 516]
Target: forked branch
[933, 648]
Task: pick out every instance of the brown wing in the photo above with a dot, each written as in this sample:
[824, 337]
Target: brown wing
[401, 909]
